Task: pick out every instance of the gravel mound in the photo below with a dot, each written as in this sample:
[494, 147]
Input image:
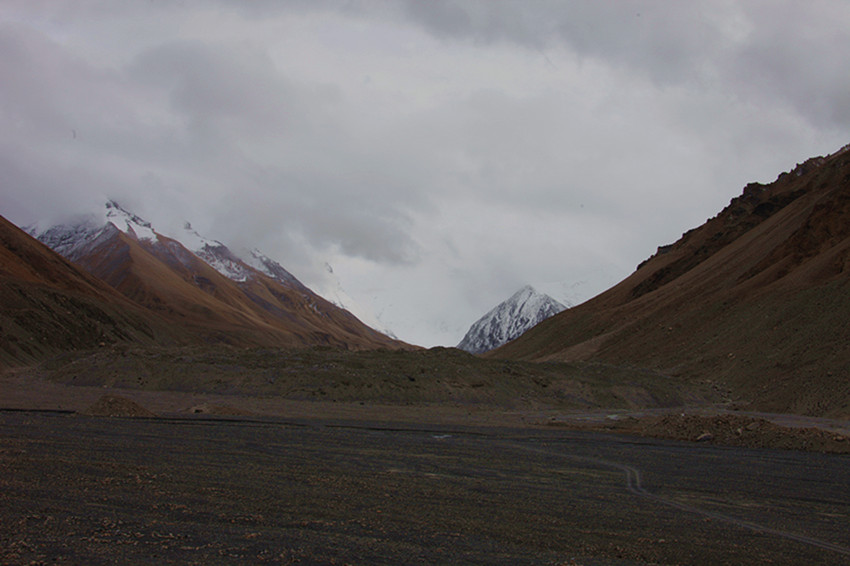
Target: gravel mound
[736, 430]
[223, 410]
[115, 406]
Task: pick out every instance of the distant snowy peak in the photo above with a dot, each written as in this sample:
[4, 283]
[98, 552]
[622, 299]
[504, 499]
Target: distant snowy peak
[128, 222]
[80, 234]
[508, 320]
[77, 237]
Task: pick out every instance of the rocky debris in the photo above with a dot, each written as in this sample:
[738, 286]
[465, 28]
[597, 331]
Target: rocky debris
[223, 410]
[116, 406]
[734, 430]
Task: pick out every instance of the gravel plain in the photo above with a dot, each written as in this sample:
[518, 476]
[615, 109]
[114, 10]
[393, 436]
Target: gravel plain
[233, 490]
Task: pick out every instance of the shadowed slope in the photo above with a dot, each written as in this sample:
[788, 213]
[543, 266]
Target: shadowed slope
[48, 305]
[757, 300]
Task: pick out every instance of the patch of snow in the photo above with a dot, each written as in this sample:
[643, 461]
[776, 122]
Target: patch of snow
[128, 222]
[215, 254]
[270, 267]
[79, 236]
[227, 267]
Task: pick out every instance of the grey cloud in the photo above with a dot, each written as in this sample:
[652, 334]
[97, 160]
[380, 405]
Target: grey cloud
[773, 50]
[668, 40]
[232, 124]
[797, 57]
[287, 216]
[374, 237]
[33, 67]
[234, 88]
[292, 146]
[50, 120]
[755, 49]
[449, 148]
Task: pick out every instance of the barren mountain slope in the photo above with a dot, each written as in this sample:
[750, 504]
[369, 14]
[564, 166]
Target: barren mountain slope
[48, 305]
[755, 300]
[249, 309]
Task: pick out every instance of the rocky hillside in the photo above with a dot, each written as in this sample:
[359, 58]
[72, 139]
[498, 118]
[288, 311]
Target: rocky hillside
[755, 301]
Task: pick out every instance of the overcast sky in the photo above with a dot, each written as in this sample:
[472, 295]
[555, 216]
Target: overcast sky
[438, 154]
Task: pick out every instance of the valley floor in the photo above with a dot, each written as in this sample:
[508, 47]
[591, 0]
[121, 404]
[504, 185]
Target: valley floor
[204, 490]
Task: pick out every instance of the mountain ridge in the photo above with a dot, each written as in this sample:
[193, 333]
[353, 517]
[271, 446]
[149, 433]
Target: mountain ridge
[209, 290]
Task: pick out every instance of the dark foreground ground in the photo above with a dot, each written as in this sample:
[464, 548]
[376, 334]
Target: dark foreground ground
[87, 490]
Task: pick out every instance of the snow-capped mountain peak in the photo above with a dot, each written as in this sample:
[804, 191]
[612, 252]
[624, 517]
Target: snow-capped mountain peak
[79, 237]
[509, 319]
[82, 232]
[128, 222]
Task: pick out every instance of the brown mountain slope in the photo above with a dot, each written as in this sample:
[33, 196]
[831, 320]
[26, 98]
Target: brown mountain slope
[756, 300]
[163, 276]
[48, 305]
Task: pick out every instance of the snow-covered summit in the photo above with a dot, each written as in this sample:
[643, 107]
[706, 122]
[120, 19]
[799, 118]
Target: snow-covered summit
[78, 237]
[72, 238]
[508, 320]
[128, 222]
